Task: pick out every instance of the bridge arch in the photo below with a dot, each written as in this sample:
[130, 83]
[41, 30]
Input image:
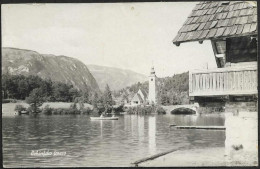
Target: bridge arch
[183, 110]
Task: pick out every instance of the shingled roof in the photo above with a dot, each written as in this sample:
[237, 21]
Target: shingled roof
[219, 19]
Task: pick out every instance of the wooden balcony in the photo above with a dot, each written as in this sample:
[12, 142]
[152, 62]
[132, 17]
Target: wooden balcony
[223, 81]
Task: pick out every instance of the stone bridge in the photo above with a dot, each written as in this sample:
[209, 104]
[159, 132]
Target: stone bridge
[191, 107]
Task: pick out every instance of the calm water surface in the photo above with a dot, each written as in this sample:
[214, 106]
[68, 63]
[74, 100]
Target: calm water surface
[101, 143]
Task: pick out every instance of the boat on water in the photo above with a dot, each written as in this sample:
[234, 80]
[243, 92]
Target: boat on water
[104, 118]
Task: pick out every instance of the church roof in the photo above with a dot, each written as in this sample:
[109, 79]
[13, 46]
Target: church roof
[219, 19]
[137, 97]
[140, 97]
[144, 93]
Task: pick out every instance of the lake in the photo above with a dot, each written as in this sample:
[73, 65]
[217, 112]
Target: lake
[100, 143]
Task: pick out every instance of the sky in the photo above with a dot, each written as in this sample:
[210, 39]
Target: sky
[134, 36]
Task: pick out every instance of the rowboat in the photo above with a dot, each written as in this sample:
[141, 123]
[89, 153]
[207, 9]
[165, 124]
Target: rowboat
[104, 118]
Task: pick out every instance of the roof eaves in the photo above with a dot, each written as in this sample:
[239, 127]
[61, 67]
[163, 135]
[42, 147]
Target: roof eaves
[218, 20]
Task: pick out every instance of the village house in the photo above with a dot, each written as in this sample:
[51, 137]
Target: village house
[231, 26]
[139, 98]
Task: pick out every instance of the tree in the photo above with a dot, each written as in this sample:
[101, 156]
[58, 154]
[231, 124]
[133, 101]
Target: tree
[35, 100]
[61, 92]
[164, 100]
[19, 108]
[107, 96]
[125, 96]
[73, 93]
[5, 79]
[23, 89]
[94, 100]
[85, 96]
[80, 101]
[46, 88]
[12, 87]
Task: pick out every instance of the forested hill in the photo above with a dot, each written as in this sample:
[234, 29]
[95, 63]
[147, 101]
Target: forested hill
[174, 90]
[57, 68]
[171, 90]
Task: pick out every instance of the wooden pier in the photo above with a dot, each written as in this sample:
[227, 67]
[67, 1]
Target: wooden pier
[200, 127]
[135, 164]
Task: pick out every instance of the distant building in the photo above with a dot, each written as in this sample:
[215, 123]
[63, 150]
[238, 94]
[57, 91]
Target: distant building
[139, 98]
[152, 87]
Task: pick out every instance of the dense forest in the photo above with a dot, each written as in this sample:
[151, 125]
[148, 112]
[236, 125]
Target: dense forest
[35, 91]
[174, 90]
[171, 90]
[19, 87]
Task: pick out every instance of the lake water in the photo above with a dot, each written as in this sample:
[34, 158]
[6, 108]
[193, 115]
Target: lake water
[101, 143]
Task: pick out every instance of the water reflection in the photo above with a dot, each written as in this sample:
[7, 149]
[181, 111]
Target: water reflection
[141, 133]
[101, 143]
[152, 137]
[101, 128]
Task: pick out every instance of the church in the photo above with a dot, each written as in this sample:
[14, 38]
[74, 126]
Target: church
[152, 87]
[141, 96]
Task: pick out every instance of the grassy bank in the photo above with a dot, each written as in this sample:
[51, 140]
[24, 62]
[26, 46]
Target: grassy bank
[146, 110]
[8, 108]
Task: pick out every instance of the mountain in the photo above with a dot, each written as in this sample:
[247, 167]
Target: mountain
[116, 78]
[57, 68]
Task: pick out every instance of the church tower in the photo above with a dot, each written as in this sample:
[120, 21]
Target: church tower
[152, 87]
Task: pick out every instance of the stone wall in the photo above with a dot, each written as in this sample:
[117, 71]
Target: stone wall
[241, 144]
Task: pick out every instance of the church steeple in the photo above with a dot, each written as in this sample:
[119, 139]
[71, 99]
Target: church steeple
[152, 71]
[152, 87]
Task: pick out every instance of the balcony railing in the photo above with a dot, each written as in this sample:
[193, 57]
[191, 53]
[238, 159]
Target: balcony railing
[223, 81]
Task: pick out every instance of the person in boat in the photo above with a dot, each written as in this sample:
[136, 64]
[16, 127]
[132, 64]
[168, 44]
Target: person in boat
[104, 114]
[113, 112]
[101, 115]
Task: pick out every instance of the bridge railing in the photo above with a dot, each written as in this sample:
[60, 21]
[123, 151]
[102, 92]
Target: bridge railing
[223, 81]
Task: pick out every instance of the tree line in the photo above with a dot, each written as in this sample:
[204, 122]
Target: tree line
[174, 90]
[19, 87]
[35, 91]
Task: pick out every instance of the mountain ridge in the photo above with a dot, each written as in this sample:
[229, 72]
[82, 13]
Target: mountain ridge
[58, 68]
[116, 78]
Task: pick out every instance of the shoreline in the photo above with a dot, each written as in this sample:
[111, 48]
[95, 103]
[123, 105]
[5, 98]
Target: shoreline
[203, 157]
[8, 108]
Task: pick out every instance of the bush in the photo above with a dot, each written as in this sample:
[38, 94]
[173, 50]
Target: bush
[19, 108]
[141, 110]
[96, 112]
[145, 110]
[33, 110]
[86, 110]
[73, 106]
[160, 110]
[119, 109]
[58, 111]
[35, 100]
[72, 111]
[63, 111]
[47, 110]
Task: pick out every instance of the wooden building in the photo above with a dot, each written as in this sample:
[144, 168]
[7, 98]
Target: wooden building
[231, 26]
